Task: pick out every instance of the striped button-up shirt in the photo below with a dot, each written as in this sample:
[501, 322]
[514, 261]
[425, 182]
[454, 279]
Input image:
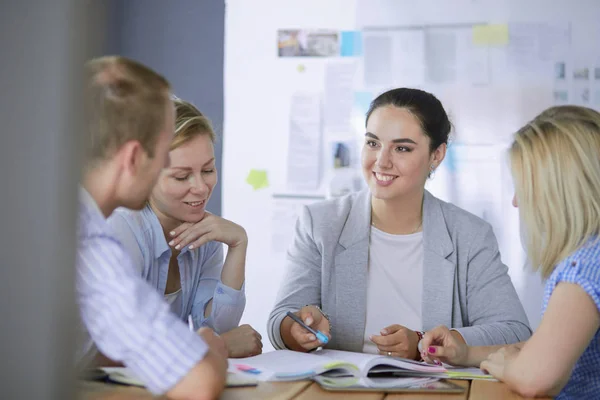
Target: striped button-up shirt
[122, 315]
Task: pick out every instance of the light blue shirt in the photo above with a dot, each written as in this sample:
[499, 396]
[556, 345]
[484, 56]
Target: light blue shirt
[581, 268]
[200, 270]
[125, 317]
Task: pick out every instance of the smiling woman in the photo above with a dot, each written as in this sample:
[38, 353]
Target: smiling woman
[389, 262]
[178, 245]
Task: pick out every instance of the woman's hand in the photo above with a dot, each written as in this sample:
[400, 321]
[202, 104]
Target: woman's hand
[439, 345]
[496, 362]
[313, 318]
[210, 228]
[397, 341]
[243, 341]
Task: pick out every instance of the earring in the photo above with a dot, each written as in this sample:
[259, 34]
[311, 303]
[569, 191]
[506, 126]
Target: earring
[431, 171]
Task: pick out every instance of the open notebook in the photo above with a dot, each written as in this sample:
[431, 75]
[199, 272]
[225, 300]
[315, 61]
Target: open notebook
[287, 365]
[126, 377]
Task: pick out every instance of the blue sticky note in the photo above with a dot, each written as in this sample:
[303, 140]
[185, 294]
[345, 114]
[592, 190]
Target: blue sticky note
[352, 45]
[362, 101]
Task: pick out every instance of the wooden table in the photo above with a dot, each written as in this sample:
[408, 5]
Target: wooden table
[304, 390]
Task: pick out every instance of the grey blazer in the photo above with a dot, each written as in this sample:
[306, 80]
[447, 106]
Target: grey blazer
[465, 283]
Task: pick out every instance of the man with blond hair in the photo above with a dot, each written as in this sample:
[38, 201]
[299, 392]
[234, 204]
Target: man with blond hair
[130, 124]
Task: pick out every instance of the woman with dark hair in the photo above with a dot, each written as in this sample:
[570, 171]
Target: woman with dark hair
[375, 269]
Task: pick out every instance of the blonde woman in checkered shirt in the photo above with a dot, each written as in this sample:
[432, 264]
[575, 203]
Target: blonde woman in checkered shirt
[555, 162]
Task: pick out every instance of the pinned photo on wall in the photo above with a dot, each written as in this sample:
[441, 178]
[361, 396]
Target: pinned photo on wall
[308, 43]
[342, 154]
[582, 96]
[561, 96]
[560, 71]
[581, 73]
[343, 176]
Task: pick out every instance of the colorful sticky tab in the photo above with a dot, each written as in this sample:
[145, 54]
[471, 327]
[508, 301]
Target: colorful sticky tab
[248, 369]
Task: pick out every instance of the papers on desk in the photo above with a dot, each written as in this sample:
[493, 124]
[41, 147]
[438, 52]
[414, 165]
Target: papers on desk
[124, 376]
[287, 365]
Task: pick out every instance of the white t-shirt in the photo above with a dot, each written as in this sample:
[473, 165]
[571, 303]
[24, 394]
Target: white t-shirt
[394, 283]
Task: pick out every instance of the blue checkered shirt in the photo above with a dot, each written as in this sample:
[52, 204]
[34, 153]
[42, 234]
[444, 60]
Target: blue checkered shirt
[581, 268]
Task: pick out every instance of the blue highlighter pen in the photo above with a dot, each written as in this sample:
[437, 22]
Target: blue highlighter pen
[318, 334]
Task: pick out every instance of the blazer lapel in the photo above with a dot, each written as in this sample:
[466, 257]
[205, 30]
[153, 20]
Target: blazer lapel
[351, 263]
[438, 268]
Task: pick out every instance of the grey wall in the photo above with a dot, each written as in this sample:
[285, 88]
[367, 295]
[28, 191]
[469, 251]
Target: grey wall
[43, 47]
[183, 40]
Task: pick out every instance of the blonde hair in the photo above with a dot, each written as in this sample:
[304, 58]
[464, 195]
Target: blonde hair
[189, 123]
[125, 101]
[555, 162]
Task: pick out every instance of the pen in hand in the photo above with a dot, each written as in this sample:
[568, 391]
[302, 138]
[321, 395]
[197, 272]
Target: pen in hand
[318, 334]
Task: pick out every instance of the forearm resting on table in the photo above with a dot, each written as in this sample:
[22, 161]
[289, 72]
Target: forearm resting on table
[477, 354]
[205, 381]
[529, 382]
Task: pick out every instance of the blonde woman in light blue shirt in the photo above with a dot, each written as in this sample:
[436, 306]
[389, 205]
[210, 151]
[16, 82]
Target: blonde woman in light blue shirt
[178, 245]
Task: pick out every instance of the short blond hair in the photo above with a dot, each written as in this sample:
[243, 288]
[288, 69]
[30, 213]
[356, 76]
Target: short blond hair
[125, 101]
[555, 161]
[189, 123]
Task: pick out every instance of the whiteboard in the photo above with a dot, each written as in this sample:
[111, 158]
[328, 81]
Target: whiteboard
[486, 107]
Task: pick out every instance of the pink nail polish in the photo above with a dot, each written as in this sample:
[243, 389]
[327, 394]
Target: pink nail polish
[431, 350]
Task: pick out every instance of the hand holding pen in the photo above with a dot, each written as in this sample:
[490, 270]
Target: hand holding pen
[310, 329]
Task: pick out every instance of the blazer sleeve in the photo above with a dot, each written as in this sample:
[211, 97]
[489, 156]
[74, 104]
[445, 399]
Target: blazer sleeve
[301, 284]
[495, 313]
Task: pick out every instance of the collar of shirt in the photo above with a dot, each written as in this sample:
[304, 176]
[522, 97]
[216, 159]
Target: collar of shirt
[88, 201]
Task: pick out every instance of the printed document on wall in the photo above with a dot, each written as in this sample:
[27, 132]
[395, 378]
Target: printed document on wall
[394, 57]
[339, 97]
[304, 146]
[452, 57]
[534, 48]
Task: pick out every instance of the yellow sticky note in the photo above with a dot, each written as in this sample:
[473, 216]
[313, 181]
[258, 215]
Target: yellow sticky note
[257, 178]
[490, 35]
